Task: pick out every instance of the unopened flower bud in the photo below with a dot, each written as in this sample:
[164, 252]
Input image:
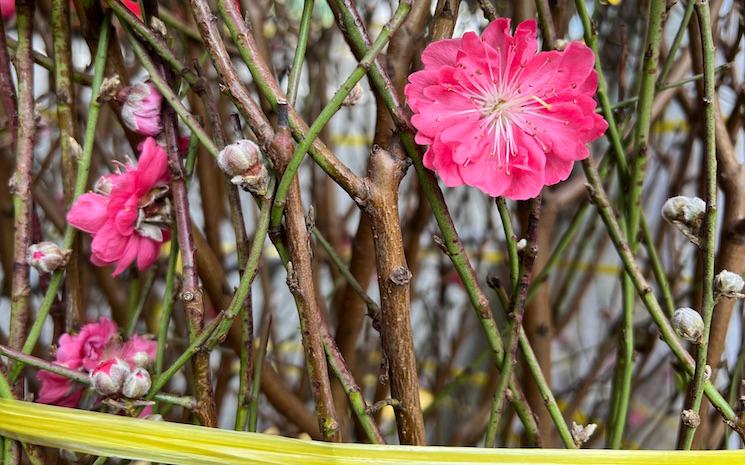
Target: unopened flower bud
[728, 284]
[354, 96]
[242, 161]
[47, 256]
[581, 433]
[137, 384]
[687, 214]
[141, 359]
[141, 108]
[690, 418]
[108, 376]
[688, 323]
[109, 88]
[521, 244]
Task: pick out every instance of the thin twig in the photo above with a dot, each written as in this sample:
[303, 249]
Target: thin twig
[709, 227]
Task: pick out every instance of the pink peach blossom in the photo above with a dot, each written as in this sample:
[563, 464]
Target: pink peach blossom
[501, 116]
[95, 348]
[141, 108]
[129, 215]
[7, 8]
[89, 347]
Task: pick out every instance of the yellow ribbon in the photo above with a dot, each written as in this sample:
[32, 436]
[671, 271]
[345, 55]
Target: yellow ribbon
[179, 444]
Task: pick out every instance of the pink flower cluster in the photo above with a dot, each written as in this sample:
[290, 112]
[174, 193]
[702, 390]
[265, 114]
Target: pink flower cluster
[129, 212]
[501, 116]
[96, 345]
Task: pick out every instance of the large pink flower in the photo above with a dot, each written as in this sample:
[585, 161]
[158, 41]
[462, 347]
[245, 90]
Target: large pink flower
[501, 116]
[96, 344]
[129, 213]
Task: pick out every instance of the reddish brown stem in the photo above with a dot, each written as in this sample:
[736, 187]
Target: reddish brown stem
[301, 284]
[385, 173]
[191, 293]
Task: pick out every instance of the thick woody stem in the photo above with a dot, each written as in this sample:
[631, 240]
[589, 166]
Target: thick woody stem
[22, 204]
[21, 181]
[191, 293]
[7, 89]
[351, 24]
[385, 173]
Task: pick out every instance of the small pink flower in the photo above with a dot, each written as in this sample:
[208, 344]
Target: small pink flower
[141, 108]
[500, 116]
[89, 347]
[129, 218]
[108, 376]
[7, 8]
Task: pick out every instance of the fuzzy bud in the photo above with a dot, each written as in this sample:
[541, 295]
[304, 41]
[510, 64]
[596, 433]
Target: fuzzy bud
[687, 214]
[137, 384]
[141, 359]
[47, 256]
[354, 96]
[141, 108]
[688, 323]
[107, 378]
[690, 418]
[728, 284]
[582, 433]
[521, 244]
[242, 161]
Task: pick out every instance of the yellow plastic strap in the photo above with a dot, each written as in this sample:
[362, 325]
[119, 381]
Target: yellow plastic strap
[178, 444]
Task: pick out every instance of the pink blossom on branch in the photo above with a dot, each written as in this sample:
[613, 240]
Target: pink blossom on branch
[501, 116]
[129, 212]
[94, 349]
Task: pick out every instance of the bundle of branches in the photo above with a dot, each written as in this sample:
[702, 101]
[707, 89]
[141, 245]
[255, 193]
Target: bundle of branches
[506, 230]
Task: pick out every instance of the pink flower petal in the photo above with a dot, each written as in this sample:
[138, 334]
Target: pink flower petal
[129, 254]
[108, 244]
[441, 52]
[147, 253]
[152, 166]
[88, 213]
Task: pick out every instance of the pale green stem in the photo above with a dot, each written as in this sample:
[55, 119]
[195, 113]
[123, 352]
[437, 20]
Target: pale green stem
[81, 182]
[709, 228]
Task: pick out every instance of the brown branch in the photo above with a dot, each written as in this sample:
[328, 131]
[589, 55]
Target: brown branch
[301, 284]
[7, 89]
[191, 293]
[385, 173]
